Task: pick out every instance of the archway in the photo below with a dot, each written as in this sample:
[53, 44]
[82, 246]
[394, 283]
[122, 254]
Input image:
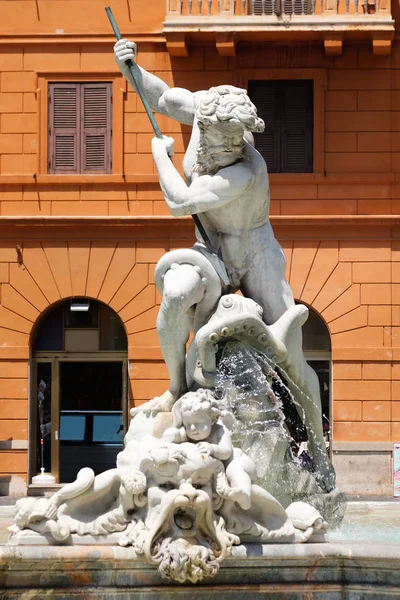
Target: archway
[79, 391]
[317, 351]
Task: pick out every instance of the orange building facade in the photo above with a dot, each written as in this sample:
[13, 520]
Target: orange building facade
[67, 238]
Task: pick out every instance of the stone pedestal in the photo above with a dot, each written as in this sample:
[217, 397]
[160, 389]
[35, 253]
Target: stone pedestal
[334, 571]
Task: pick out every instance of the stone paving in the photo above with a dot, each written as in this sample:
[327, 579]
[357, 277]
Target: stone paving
[6, 519]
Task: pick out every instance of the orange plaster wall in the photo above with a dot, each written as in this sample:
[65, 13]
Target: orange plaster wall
[119, 274]
[79, 16]
[353, 285]
[360, 147]
[352, 280]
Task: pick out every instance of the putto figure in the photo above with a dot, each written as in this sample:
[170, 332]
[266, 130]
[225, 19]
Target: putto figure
[198, 419]
[227, 186]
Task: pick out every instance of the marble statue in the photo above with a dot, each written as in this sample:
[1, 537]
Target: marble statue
[227, 186]
[189, 483]
[182, 500]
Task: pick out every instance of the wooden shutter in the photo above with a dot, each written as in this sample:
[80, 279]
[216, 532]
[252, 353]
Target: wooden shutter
[286, 107]
[297, 127]
[79, 128]
[264, 7]
[279, 7]
[96, 127]
[264, 95]
[63, 128]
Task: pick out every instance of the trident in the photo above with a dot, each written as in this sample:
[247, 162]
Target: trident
[216, 256]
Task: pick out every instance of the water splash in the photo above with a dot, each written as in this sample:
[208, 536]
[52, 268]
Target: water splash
[251, 387]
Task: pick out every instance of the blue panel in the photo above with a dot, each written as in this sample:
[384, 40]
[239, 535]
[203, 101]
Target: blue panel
[72, 428]
[107, 428]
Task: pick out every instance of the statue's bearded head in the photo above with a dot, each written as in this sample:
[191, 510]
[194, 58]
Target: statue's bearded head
[225, 113]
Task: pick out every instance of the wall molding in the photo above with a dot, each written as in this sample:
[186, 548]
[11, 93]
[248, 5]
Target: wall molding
[14, 445]
[357, 447]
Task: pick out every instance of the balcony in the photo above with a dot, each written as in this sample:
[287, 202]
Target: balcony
[229, 22]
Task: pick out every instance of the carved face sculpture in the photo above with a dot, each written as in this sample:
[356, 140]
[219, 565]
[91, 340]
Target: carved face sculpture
[221, 142]
[186, 539]
[197, 424]
[183, 537]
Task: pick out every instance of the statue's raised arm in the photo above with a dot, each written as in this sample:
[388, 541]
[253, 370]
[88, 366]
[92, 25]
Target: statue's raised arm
[177, 103]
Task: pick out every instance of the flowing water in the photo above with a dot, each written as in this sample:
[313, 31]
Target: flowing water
[252, 389]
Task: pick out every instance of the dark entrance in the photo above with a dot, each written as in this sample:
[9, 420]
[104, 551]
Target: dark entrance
[91, 422]
[79, 389]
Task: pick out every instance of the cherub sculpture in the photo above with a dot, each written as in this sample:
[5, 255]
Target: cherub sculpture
[198, 419]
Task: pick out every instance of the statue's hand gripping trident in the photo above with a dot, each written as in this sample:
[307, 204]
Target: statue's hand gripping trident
[216, 256]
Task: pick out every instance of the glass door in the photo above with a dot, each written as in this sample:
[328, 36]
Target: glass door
[91, 416]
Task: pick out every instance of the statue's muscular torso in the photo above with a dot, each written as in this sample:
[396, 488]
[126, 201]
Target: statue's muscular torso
[241, 227]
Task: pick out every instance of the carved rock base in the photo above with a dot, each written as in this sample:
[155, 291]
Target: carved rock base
[332, 571]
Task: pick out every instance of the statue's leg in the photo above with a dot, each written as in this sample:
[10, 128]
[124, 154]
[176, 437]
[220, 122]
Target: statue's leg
[183, 289]
[273, 293]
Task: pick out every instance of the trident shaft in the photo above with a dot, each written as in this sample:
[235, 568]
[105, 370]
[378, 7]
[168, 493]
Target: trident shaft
[216, 257]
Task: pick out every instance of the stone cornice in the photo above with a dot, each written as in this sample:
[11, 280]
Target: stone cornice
[140, 221]
[29, 38]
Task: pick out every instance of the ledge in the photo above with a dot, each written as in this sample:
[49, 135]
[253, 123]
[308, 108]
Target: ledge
[35, 221]
[327, 571]
[331, 29]
[371, 447]
[290, 220]
[323, 23]
[16, 38]
[66, 180]
[138, 178]
[14, 445]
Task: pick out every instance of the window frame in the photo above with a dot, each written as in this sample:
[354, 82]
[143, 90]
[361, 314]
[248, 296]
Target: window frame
[319, 78]
[119, 87]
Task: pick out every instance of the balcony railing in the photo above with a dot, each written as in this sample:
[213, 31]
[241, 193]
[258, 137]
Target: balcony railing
[239, 19]
[264, 8]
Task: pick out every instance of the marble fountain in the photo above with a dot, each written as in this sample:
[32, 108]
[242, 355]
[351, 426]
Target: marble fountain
[207, 497]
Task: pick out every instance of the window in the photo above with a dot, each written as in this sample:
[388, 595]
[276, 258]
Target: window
[279, 7]
[97, 329]
[287, 107]
[79, 128]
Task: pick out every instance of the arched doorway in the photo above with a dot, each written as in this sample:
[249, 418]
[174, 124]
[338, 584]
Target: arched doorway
[79, 392]
[317, 351]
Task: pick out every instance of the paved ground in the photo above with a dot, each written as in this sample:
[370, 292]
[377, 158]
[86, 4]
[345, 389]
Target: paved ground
[6, 518]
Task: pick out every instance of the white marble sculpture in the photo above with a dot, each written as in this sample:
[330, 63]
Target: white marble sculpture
[181, 500]
[227, 186]
[182, 493]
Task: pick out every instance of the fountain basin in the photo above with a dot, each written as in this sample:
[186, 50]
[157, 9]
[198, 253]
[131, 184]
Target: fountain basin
[332, 571]
[368, 520]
